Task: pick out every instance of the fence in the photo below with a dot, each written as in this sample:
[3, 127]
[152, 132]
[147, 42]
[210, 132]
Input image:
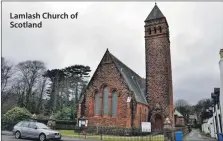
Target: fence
[125, 134]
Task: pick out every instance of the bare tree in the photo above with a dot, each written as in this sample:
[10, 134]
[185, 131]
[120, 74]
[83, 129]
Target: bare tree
[181, 103]
[19, 89]
[30, 72]
[6, 75]
[184, 108]
[42, 92]
[201, 106]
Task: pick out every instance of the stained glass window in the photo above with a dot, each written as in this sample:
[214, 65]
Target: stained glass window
[114, 103]
[96, 104]
[105, 101]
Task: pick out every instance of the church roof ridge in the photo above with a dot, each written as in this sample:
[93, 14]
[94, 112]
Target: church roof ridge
[132, 80]
[155, 14]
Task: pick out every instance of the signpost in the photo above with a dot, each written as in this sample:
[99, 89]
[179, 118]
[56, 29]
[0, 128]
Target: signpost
[146, 127]
[82, 122]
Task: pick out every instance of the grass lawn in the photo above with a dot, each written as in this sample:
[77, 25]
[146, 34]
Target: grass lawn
[138, 138]
[71, 133]
[67, 132]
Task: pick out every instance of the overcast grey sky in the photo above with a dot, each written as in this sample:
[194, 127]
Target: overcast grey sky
[196, 35]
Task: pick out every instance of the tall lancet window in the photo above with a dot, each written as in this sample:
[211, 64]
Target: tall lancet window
[160, 29]
[149, 31]
[96, 104]
[114, 103]
[155, 30]
[105, 101]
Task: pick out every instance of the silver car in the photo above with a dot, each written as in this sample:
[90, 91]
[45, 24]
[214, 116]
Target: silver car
[36, 130]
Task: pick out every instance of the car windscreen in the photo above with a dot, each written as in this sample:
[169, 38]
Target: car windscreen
[19, 124]
[41, 126]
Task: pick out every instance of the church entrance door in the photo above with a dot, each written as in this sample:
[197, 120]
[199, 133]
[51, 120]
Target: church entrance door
[158, 126]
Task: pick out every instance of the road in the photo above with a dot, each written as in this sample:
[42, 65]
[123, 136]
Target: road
[7, 136]
[196, 136]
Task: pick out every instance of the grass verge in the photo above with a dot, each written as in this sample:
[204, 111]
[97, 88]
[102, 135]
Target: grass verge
[71, 133]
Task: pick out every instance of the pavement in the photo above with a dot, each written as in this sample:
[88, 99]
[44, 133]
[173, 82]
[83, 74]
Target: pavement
[195, 135]
[8, 136]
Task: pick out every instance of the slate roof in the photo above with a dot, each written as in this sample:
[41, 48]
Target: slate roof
[155, 14]
[133, 80]
[177, 113]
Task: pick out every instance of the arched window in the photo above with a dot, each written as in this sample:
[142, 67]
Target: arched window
[160, 29]
[149, 31]
[155, 30]
[105, 101]
[96, 104]
[140, 116]
[114, 103]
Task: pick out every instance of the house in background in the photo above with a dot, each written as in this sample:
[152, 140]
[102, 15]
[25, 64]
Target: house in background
[192, 119]
[217, 110]
[212, 122]
[204, 126]
[179, 119]
[208, 127]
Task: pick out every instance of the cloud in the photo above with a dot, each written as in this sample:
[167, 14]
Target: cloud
[196, 38]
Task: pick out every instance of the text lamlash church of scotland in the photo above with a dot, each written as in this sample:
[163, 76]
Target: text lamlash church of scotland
[37, 16]
[44, 15]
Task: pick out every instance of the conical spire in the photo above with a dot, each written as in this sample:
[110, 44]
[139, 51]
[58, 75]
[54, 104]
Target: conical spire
[155, 14]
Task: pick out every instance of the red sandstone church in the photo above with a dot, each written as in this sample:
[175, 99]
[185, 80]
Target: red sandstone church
[117, 96]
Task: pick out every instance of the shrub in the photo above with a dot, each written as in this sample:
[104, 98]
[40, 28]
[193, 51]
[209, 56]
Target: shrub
[16, 114]
[64, 114]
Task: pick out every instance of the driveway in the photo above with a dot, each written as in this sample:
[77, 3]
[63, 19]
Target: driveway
[196, 136]
[7, 136]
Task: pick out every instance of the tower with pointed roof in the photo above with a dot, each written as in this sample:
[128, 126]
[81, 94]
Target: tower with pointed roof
[158, 68]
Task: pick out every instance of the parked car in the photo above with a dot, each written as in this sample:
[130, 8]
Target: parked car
[35, 130]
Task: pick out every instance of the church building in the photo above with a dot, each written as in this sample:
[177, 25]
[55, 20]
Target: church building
[117, 96]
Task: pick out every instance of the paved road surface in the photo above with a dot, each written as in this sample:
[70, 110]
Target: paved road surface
[7, 136]
[196, 136]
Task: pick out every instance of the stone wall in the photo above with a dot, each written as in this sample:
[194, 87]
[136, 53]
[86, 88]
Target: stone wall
[141, 116]
[158, 68]
[107, 75]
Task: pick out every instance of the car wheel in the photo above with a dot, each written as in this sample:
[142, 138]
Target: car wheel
[17, 135]
[42, 137]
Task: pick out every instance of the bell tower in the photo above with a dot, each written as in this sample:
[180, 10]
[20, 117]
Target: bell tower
[158, 69]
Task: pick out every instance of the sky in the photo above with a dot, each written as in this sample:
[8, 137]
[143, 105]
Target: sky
[196, 36]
